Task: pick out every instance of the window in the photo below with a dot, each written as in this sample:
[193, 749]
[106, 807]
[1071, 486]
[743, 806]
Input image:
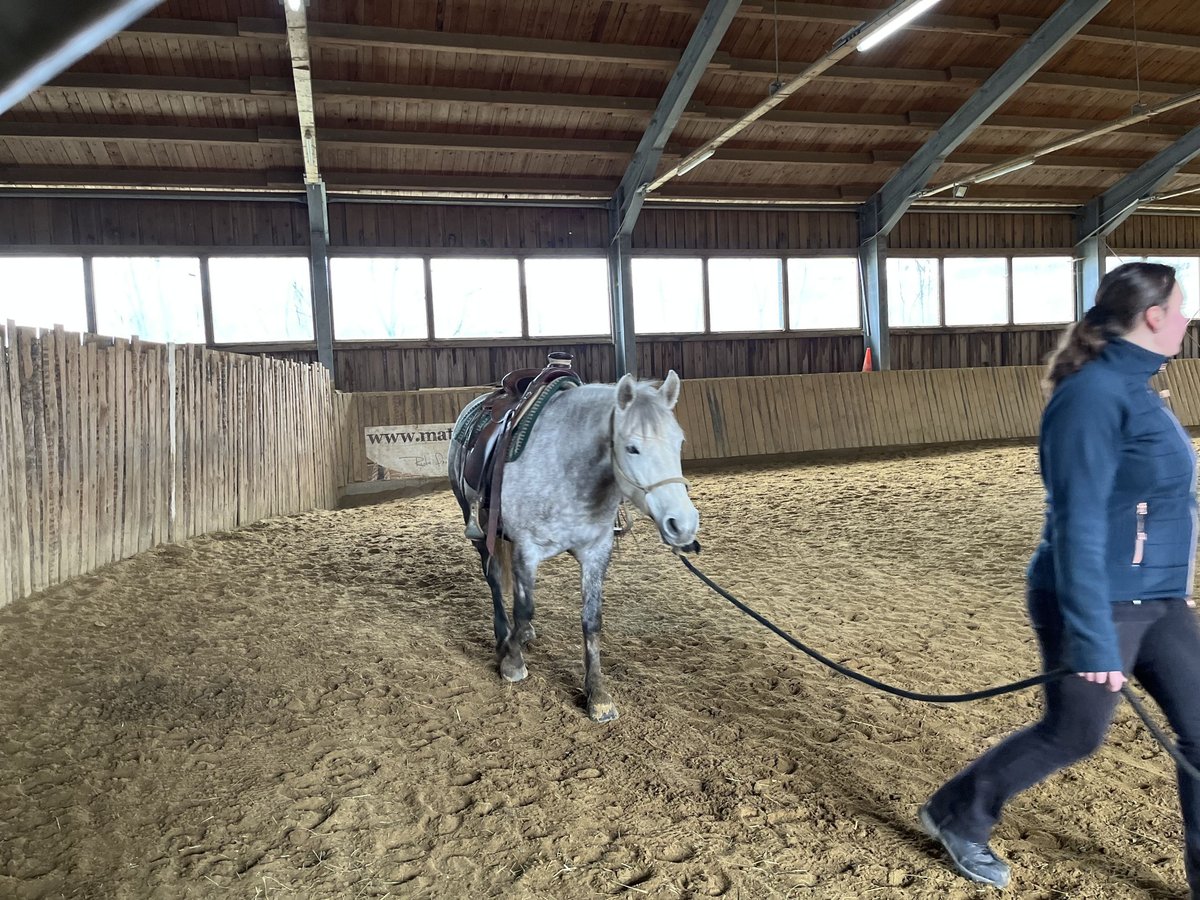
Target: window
[1187, 274]
[913, 296]
[976, 291]
[156, 298]
[567, 297]
[1043, 289]
[260, 299]
[476, 298]
[378, 298]
[43, 291]
[745, 294]
[823, 293]
[668, 295]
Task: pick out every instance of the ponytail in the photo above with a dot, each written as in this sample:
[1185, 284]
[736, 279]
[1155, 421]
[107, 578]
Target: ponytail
[1079, 345]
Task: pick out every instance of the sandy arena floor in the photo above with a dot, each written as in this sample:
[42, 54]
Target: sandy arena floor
[309, 708]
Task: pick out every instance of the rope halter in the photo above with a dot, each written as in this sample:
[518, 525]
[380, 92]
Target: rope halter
[629, 486]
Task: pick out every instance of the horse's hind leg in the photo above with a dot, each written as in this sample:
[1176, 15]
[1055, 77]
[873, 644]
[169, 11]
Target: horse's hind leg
[495, 576]
[593, 564]
[524, 574]
[512, 657]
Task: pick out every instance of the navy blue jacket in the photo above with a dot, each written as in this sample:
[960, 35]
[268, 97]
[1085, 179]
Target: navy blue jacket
[1120, 477]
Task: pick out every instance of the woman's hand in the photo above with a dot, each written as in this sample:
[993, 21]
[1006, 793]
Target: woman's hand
[1114, 680]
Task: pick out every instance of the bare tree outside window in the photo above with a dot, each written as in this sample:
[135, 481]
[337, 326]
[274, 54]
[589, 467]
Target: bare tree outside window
[823, 292]
[260, 299]
[157, 298]
[476, 298]
[912, 292]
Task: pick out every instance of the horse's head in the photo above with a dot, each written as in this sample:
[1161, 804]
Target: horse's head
[646, 447]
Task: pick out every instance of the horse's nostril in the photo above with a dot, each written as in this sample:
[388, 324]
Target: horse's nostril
[672, 526]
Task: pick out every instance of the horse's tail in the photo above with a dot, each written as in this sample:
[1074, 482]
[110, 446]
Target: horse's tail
[502, 559]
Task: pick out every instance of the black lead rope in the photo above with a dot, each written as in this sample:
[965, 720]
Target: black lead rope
[1159, 734]
[867, 679]
[1015, 686]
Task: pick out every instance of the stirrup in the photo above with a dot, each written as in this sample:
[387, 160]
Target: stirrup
[473, 532]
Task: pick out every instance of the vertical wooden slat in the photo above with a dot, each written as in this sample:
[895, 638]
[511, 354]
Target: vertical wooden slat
[10, 587]
[75, 459]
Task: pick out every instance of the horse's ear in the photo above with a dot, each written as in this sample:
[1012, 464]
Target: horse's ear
[670, 389]
[625, 391]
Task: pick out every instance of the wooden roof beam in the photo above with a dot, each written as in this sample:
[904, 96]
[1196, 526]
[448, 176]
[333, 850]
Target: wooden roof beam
[660, 58]
[267, 86]
[617, 149]
[481, 185]
[62, 176]
[330, 34]
[1002, 25]
[296, 25]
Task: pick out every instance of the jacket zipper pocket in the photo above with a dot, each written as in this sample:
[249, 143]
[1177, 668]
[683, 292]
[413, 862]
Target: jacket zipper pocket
[1140, 543]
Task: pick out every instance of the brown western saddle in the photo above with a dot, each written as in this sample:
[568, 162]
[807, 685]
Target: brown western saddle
[499, 426]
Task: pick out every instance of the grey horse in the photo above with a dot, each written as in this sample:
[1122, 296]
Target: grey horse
[593, 446]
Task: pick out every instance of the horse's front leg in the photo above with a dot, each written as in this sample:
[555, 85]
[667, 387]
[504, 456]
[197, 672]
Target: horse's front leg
[593, 564]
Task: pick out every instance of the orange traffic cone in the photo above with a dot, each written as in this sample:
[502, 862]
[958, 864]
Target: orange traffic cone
[867, 367]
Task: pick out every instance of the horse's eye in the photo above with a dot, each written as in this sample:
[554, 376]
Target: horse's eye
[631, 450]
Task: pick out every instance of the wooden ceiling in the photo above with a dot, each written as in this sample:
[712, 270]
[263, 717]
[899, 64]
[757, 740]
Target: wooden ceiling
[550, 97]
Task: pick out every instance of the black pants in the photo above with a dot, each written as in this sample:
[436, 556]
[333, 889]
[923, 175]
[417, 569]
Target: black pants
[1160, 646]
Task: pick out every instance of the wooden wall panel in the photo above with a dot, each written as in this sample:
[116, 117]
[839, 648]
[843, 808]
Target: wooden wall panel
[1157, 232]
[733, 418]
[964, 348]
[756, 230]
[983, 231]
[88, 222]
[446, 227]
[110, 447]
[114, 222]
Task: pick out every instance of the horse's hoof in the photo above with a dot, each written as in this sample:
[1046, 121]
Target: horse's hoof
[513, 672]
[527, 634]
[604, 711]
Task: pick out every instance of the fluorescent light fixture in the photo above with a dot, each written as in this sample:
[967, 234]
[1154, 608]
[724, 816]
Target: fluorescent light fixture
[960, 191]
[893, 25]
[1005, 170]
[295, 5]
[692, 163]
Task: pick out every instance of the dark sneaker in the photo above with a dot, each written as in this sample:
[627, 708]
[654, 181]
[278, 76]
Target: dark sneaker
[973, 860]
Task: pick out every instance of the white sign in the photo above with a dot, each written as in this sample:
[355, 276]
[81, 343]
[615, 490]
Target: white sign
[409, 451]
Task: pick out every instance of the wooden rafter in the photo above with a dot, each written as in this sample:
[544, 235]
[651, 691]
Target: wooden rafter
[266, 87]
[1002, 25]
[660, 58]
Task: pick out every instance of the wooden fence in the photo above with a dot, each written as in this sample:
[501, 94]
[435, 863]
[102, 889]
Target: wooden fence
[109, 447]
